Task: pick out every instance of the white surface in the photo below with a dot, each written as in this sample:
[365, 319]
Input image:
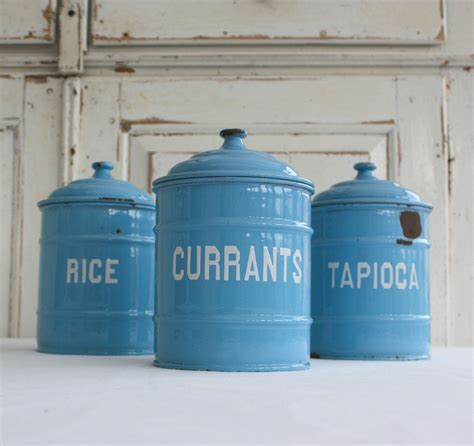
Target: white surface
[145, 104]
[116, 400]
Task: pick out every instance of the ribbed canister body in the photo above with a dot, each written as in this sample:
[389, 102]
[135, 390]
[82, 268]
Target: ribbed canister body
[96, 278]
[233, 274]
[370, 281]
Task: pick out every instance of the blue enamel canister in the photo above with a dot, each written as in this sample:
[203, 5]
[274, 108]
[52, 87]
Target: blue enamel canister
[233, 262]
[96, 268]
[370, 287]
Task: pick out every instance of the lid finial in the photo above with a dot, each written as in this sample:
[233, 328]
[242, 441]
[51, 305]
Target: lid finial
[365, 171]
[233, 139]
[102, 169]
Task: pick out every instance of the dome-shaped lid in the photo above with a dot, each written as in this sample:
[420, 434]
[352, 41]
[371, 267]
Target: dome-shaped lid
[234, 159]
[101, 187]
[367, 188]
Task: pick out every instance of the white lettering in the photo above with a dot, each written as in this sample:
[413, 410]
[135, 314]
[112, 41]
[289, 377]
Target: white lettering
[413, 278]
[297, 257]
[84, 270]
[72, 271]
[228, 262]
[215, 262]
[90, 271]
[383, 277]
[178, 251]
[363, 271]
[269, 263]
[197, 273]
[285, 252]
[252, 269]
[261, 264]
[92, 277]
[109, 270]
[388, 275]
[376, 275]
[346, 277]
[401, 284]
[333, 266]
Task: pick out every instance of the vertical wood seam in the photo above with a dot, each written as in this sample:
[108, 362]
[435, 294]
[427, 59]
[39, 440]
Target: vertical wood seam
[14, 306]
[70, 137]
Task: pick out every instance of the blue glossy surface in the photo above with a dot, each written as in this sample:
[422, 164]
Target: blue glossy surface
[227, 317]
[96, 275]
[234, 159]
[370, 280]
[100, 187]
[366, 188]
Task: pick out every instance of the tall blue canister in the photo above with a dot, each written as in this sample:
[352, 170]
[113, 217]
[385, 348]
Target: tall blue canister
[96, 268]
[370, 292]
[233, 262]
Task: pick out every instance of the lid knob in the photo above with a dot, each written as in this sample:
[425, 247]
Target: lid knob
[239, 133]
[102, 169]
[233, 139]
[365, 171]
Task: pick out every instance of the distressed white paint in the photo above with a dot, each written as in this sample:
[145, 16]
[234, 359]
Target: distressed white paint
[72, 35]
[41, 174]
[266, 22]
[7, 166]
[72, 97]
[318, 107]
[27, 21]
[11, 90]
[460, 127]
[99, 124]
[423, 168]
[333, 148]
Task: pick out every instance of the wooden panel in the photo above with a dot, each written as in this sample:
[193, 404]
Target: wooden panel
[409, 109]
[98, 120]
[42, 167]
[265, 22]
[11, 191]
[27, 21]
[460, 113]
[323, 157]
[73, 36]
[423, 168]
[7, 166]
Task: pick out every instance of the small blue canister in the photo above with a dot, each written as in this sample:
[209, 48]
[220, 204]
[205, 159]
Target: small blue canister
[370, 275]
[96, 268]
[233, 262]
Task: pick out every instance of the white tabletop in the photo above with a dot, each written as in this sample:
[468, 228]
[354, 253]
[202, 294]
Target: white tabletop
[118, 400]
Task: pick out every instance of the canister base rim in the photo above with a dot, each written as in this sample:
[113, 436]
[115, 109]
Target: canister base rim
[372, 357]
[233, 368]
[95, 353]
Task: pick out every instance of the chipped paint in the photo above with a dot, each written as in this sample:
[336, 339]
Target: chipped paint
[443, 131]
[125, 124]
[45, 34]
[37, 79]
[124, 69]
[399, 151]
[411, 224]
[440, 35]
[50, 17]
[387, 121]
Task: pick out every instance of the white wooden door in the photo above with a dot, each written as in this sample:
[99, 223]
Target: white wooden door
[321, 84]
[320, 126]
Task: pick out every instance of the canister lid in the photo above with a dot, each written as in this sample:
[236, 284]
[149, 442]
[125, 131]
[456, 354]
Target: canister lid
[234, 160]
[101, 187]
[367, 188]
